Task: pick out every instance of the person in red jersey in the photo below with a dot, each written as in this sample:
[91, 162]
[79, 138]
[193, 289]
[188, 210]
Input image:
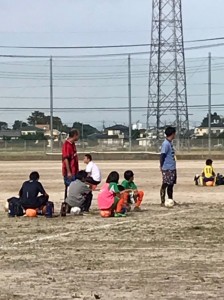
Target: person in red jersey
[70, 163]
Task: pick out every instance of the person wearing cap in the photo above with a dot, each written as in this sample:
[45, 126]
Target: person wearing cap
[208, 173]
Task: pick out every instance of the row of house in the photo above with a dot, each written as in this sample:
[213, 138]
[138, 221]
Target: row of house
[112, 137]
[30, 130]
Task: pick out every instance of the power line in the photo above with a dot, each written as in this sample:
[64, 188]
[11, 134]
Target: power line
[103, 46]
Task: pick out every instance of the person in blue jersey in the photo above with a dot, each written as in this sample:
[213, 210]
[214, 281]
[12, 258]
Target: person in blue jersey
[168, 165]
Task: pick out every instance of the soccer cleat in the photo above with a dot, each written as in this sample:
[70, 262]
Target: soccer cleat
[119, 215]
[86, 213]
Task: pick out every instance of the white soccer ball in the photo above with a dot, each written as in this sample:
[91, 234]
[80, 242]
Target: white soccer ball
[169, 203]
[6, 206]
[75, 210]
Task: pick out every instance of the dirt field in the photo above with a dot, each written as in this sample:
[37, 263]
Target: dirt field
[156, 254]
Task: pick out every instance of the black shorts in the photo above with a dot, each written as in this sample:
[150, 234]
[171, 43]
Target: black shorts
[38, 202]
[90, 180]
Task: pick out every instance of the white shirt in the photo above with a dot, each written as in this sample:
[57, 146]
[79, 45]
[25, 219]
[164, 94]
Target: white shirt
[94, 171]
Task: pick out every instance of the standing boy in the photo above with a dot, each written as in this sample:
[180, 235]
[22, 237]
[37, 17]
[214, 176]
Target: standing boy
[168, 165]
[94, 174]
[70, 164]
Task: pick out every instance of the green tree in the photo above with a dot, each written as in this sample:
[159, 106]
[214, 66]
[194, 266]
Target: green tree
[37, 117]
[84, 129]
[3, 125]
[135, 134]
[57, 123]
[215, 119]
[19, 124]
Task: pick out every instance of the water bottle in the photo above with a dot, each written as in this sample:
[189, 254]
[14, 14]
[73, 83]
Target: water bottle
[49, 210]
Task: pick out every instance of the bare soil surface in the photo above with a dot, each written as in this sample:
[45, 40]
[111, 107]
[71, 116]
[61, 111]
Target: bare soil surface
[158, 253]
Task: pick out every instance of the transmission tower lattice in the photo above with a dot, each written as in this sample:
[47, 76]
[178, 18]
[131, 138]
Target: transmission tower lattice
[167, 74]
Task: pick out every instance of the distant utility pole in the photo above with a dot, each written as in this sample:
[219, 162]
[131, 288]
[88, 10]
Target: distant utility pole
[167, 75]
[103, 123]
[129, 102]
[51, 104]
[209, 100]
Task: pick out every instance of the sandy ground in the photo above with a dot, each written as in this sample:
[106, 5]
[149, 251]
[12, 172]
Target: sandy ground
[156, 254]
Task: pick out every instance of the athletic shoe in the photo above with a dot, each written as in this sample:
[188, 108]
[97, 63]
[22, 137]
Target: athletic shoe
[119, 215]
[86, 213]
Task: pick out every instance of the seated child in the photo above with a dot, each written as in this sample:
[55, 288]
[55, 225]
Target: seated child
[111, 197]
[29, 193]
[79, 194]
[129, 184]
[208, 174]
[94, 174]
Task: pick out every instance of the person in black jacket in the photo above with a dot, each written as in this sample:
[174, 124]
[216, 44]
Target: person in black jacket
[32, 194]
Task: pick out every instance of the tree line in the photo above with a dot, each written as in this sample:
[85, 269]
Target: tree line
[39, 118]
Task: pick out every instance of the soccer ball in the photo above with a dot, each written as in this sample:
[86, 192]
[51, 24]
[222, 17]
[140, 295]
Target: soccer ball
[75, 210]
[6, 206]
[169, 203]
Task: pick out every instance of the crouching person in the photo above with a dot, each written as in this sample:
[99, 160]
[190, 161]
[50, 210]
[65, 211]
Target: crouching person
[79, 194]
[29, 193]
[208, 176]
[112, 199]
[136, 196]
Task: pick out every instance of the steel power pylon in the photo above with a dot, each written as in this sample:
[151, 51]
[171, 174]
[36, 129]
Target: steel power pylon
[167, 75]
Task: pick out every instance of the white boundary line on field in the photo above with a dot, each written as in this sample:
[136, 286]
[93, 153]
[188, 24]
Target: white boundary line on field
[54, 236]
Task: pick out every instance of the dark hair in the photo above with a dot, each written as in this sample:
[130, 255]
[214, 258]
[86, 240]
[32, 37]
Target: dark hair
[113, 177]
[73, 132]
[81, 175]
[128, 174]
[34, 176]
[169, 131]
[88, 156]
[209, 162]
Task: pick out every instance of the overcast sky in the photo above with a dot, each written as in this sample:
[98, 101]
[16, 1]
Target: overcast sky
[90, 22]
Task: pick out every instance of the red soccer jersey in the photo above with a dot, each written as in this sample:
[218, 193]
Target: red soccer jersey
[69, 152]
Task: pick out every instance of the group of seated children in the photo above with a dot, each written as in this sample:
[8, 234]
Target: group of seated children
[208, 176]
[113, 199]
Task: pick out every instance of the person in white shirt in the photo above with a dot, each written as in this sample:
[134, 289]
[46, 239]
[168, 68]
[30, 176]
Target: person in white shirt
[94, 174]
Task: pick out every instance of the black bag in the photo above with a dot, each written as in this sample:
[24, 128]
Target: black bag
[15, 207]
[219, 179]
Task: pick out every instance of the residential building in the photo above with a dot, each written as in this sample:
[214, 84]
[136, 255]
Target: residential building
[113, 137]
[32, 130]
[202, 131]
[10, 134]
